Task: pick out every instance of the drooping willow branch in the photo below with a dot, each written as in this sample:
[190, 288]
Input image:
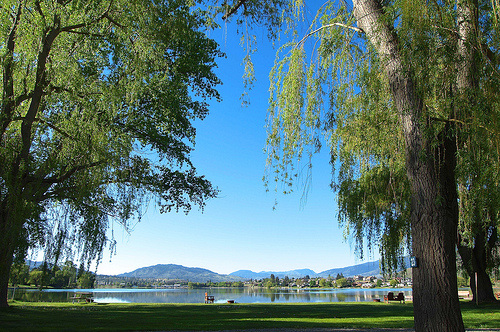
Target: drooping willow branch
[328, 26]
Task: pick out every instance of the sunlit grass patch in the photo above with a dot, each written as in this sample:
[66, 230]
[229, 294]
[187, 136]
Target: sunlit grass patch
[137, 317]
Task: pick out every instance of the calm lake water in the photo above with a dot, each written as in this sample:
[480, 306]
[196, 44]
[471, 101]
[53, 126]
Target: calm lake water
[222, 295]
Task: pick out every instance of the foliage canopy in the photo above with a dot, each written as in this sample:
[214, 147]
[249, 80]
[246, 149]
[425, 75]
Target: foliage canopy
[329, 85]
[98, 101]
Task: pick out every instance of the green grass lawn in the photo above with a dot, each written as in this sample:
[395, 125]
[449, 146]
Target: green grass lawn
[126, 317]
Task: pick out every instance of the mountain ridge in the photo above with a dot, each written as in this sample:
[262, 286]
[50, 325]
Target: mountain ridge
[248, 274]
[174, 271]
[196, 274]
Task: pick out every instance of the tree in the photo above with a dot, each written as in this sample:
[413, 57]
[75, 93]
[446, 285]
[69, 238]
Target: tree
[86, 280]
[69, 274]
[98, 100]
[342, 282]
[415, 59]
[36, 277]
[19, 274]
[379, 198]
[418, 62]
[367, 205]
[478, 241]
[58, 280]
[286, 281]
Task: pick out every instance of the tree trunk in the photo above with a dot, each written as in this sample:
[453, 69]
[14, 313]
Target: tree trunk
[9, 232]
[431, 173]
[475, 261]
[13, 211]
[482, 292]
[5, 265]
[434, 225]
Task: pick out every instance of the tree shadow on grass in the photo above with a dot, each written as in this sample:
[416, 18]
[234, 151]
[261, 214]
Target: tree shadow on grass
[119, 317]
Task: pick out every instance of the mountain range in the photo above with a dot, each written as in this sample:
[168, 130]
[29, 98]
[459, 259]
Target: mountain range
[365, 269]
[172, 271]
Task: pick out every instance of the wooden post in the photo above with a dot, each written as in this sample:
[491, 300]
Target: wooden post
[477, 297]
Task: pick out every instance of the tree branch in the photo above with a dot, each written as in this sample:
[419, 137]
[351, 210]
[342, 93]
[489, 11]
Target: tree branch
[59, 89]
[68, 174]
[62, 177]
[328, 26]
[21, 98]
[105, 14]
[51, 126]
[41, 83]
[85, 33]
[233, 9]
[39, 10]
[41, 185]
[114, 22]
[63, 2]
[53, 193]
[8, 102]
[491, 131]
[486, 51]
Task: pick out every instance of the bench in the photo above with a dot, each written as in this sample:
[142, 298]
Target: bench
[390, 297]
[209, 298]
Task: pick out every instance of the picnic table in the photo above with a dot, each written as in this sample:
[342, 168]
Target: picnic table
[209, 298]
[464, 295]
[82, 296]
[390, 297]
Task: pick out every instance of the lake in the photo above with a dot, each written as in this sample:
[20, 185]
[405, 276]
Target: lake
[222, 295]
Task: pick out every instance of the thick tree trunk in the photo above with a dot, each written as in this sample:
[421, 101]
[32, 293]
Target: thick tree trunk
[431, 174]
[482, 292]
[475, 261]
[5, 265]
[9, 232]
[12, 203]
[434, 225]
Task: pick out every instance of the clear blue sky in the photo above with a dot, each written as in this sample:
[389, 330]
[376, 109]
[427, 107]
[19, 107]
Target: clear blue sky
[240, 229]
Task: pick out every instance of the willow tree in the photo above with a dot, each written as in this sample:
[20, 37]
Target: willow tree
[375, 205]
[373, 193]
[478, 176]
[98, 99]
[428, 69]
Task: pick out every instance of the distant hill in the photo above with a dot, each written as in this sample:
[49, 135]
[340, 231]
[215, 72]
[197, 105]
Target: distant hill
[172, 271]
[194, 274]
[364, 269]
[33, 264]
[247, 274]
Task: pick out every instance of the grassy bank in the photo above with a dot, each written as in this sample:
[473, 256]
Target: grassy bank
[123, 317]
